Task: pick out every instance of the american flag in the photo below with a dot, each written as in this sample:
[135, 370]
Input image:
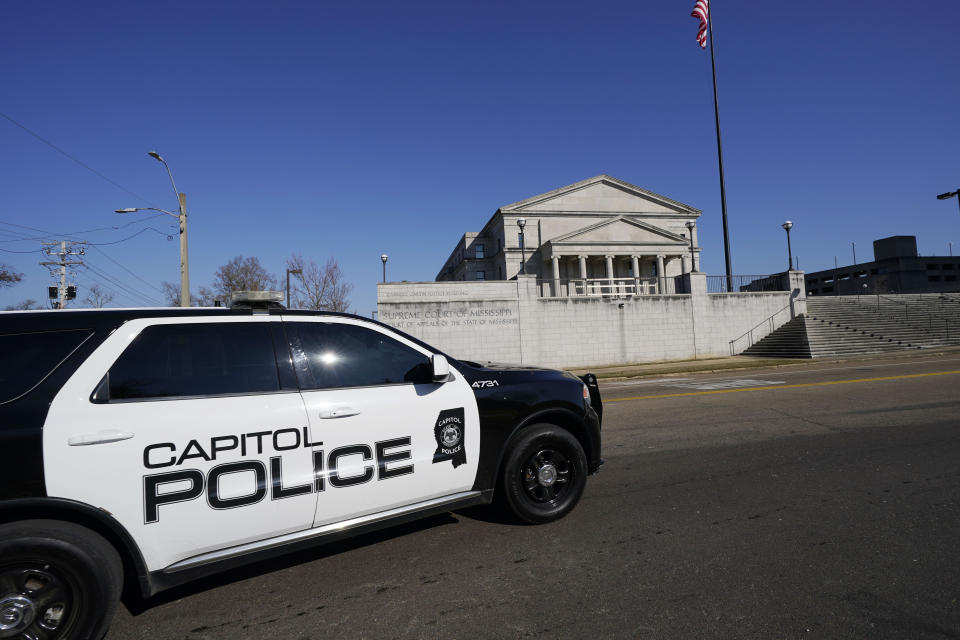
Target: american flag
[701, 11]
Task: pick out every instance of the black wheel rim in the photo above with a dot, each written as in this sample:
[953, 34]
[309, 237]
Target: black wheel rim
[547, 476]
[38, 601]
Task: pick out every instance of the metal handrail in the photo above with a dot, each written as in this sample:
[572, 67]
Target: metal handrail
[769, 322]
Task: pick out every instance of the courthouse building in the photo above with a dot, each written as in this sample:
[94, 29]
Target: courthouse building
[598, 236]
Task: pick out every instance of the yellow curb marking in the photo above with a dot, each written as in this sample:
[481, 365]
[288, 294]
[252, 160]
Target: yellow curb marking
[783, 386]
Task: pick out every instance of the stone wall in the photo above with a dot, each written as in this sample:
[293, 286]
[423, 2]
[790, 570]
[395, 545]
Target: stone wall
[506, 321]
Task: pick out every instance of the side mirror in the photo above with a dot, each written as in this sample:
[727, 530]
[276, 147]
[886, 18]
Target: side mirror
[441, 368]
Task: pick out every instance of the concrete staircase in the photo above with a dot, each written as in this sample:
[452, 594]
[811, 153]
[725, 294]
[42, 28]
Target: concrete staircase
[849, 325]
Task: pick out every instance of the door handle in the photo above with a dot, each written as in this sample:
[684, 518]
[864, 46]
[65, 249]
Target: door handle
[100, 437]
[341, 411]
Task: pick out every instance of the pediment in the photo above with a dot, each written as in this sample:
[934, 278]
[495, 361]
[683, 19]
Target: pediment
[600, 195]
[621, 230]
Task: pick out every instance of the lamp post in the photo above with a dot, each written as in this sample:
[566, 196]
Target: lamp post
[295, 272]
[383, 259]
[787, 226]
[182, 219]
[522, 222]
[690, 225]
[950, 194]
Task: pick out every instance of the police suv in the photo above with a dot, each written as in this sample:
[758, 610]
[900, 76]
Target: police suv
[161, 445]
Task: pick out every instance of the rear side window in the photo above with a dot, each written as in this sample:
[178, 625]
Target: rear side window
[332, 355]
[27, 358]
[185, 360]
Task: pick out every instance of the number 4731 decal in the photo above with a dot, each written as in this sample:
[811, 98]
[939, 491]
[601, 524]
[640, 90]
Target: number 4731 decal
[480, 384]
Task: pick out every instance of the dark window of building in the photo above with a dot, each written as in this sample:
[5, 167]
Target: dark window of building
[933, 267]
[28, 358]
[478, 251]
[481, 275]
[933, 278]
[950, 278]
[844, 276]
[947, 267]
[344, 355]
[177, 360]
[827, 290]
[874, 272]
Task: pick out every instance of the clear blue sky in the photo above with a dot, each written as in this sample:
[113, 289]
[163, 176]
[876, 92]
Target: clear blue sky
[353, 129]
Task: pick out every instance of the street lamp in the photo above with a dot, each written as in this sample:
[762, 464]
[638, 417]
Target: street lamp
[522, 222]
[383, 259]
[787, 226]
[182, 219]
[295, 272]
[690, 225]
[950, 194]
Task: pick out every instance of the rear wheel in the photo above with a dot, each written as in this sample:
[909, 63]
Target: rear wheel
[544, 474]
[58, 580]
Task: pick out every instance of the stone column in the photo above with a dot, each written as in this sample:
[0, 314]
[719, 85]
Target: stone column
[583, 272]
[635, 264]
[661, 276]
[556, 274]
[609, 259]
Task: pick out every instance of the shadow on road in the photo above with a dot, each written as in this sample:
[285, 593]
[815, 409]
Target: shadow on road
[137, 604]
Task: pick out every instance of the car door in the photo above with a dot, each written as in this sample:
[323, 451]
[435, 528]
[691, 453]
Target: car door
[187, 432]
[392, 437]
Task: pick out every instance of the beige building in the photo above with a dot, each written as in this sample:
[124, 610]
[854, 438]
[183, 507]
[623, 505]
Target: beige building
[598, 236]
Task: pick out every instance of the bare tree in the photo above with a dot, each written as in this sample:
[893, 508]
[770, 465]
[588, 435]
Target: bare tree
[242, 274]
[98, 297]
[9, 277]
[204, 297]
[25, 305]
[318, 288]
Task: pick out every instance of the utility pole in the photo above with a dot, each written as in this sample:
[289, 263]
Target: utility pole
[63, 291]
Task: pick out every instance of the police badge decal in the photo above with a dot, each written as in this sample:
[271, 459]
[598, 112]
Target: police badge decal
[449, 432]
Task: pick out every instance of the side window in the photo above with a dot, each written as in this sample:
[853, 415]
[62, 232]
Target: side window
[479, 251]
[28, 358]
[332, 355]
[178, 360]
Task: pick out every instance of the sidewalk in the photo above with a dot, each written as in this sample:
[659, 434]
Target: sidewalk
[732, 363]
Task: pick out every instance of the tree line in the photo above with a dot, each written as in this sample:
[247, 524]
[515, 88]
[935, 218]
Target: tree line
[312, 286]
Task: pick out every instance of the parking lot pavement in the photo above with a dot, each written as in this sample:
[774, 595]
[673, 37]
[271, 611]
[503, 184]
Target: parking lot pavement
[820, 501]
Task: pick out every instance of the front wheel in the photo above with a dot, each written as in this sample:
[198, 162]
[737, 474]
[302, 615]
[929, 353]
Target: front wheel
[544, 474]
[58, 581]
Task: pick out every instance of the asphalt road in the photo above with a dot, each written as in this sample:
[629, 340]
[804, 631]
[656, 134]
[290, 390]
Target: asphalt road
[819, 501]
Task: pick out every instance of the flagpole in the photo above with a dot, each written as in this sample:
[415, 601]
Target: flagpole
[723, 191]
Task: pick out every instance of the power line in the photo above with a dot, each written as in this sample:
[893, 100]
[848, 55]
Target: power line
[105, 255]
[103, 244]
[117, 283]
[73, 233]
[79, 162]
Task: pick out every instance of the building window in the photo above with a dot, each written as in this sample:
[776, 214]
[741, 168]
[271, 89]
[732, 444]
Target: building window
[950, 278]
[479, 251]
[481, 275]
[933, 278]
[827, 290]
[874, 272]
[947, 267]
[933, 267]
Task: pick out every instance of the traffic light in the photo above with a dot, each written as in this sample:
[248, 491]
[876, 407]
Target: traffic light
[71, 292]
[52, 292]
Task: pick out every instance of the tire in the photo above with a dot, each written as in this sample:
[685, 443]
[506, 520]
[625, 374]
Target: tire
[543, 474]
[58, 581]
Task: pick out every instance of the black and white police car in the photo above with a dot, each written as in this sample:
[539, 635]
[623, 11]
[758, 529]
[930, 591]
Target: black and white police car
[160, 445]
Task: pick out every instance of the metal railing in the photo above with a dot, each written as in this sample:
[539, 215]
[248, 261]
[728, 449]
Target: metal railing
[609, 287]
[761, 331]
[748, 284]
